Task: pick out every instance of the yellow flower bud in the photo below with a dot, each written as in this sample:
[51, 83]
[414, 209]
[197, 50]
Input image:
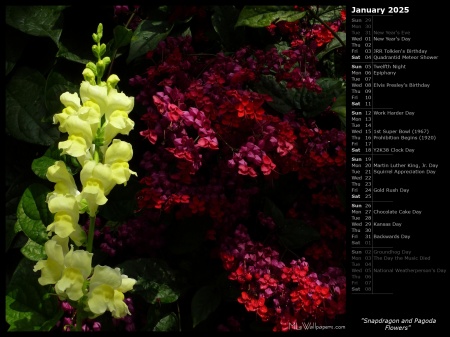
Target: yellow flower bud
[112, 81]
[89, 76]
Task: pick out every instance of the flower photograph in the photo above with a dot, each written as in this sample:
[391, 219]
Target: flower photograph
[175, 168]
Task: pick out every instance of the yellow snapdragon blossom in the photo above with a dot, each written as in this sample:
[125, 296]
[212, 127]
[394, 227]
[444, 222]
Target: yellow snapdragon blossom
[64, 181]
[63, 203]
[80, 122]
[66, 269]
[114, 106]
[118, 122]
[77, 269]
[106, 291]
[118, 154]
[98, 179]
[97, 182]
[106, 96]
[81, 118]
[52, 268]
[66, 217]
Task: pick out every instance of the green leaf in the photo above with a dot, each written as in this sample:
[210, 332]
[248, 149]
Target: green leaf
[270, 209]
[147, 36]
[122, 37]
[334, 44]
[33, 214]
[28, 306]
[205, 301]
[283, 99]
[59, 82]
[36, 20]
[40, 165]
[295, 234]
[313, 103]
[327, 13]
[156, 282]
[25, 108]
[167, 323]
[281, 46]
[15, 192]
[15, 44]
[17, 227]
[229, 290]
[186, 32]
[71, 53]
[33, 251]
[223, 20]
[339, 106]
[263, 16]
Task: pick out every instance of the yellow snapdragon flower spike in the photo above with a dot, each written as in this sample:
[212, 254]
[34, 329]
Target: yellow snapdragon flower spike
[91, 119]
[106, 290]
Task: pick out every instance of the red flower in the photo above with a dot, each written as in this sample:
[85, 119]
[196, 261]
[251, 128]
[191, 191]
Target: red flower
[267, 165]
[323, 35]
[150, 135]
[244, 169]
[196, 205]
[174, 112]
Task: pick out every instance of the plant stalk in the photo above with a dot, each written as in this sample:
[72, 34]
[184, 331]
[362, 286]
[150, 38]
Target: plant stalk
[90, 239]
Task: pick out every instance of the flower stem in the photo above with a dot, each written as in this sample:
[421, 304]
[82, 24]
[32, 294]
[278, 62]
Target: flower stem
[79, 322]
[115, 50]
[90, 239]
[179, 316]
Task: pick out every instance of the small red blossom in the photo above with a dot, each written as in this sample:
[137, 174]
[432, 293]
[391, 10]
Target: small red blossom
[151, 135]
[267, 165]
[197, 205]
[323, 35]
